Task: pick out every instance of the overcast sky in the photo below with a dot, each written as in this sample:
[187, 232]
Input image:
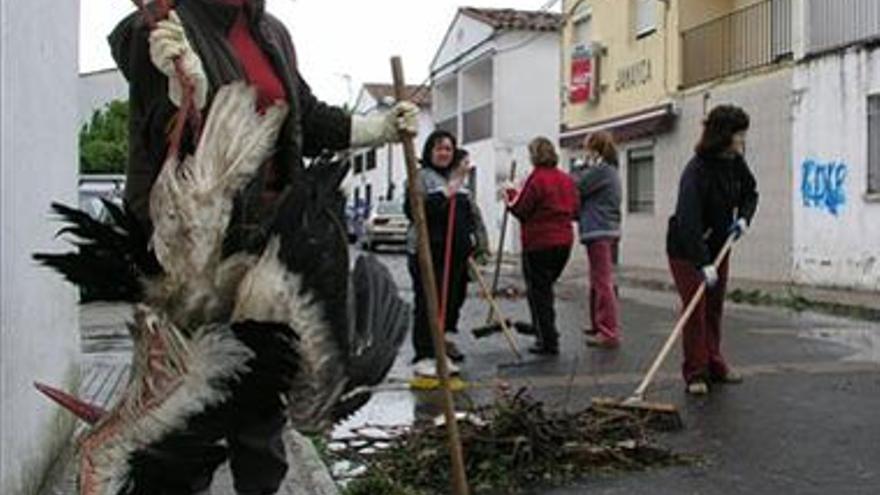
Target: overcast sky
[335, 39]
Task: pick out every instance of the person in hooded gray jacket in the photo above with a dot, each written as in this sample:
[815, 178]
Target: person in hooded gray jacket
[598, 183]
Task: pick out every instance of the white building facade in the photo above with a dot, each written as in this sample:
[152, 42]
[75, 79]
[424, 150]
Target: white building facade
[495, 85]
[39, 329]
[836, 146]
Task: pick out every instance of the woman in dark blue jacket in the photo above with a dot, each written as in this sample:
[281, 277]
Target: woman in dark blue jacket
[717, 198]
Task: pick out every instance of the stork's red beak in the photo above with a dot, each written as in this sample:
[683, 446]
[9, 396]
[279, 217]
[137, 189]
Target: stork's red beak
[89, 413]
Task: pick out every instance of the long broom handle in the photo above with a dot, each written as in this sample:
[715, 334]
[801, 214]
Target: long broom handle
[493, 305]
[679, 327]
[500, 253]
[459, 476]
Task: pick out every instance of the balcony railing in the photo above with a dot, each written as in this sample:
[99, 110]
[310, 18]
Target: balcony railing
[838, 23]
[742, 40]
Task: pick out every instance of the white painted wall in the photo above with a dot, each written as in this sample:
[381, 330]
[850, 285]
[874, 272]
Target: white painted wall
[527, 86]
[525, 99]
[38, 162]
[97, 89]
[463, 35]
[830, 127]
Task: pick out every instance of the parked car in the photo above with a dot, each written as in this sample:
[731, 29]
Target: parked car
[386, 224]
[93, 188]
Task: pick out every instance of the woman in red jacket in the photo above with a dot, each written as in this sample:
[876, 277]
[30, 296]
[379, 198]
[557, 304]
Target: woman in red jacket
[545, 207]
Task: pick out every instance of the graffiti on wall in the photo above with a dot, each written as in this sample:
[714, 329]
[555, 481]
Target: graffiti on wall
[823, 185]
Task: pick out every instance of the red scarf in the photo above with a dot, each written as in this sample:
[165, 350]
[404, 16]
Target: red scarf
[258, 68]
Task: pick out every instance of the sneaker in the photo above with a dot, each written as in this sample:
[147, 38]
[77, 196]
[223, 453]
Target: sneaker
[427, 368]
[602, 342]
[697, 387]
[730, 378]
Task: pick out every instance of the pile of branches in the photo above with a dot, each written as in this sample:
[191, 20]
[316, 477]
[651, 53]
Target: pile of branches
[511, 445]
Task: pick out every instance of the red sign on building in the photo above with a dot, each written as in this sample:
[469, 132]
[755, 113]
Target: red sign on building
[583, 72]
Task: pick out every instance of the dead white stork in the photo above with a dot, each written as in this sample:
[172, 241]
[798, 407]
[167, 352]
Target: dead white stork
[285, 318]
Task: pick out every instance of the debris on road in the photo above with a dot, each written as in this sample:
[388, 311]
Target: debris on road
[516, 444]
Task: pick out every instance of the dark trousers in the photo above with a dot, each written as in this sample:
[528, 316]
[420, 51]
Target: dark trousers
[702, 332]
[256, 454]
[541, 270]
[183, 463]
[458, 277]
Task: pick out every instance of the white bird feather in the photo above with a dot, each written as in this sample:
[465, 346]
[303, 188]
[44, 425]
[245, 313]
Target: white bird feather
[191, 202]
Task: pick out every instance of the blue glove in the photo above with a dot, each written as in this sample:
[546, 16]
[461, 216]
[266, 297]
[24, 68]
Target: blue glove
[738, 228]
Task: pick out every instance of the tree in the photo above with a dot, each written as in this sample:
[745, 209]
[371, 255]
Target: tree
[103, 142]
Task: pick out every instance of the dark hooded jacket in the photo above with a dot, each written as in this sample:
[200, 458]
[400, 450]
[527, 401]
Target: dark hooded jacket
[713, 193]
[310, 128]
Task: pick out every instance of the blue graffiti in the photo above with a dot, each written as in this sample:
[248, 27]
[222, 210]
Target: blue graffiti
[823, 185]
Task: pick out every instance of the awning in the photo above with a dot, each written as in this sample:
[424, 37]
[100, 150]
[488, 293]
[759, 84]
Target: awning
[638, 125]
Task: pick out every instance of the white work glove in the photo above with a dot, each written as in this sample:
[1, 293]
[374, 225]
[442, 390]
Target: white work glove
[167, 42]
[381, 128]
[738, 229]
[710, 275]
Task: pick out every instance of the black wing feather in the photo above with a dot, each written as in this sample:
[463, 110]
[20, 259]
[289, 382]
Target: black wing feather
[111, 258]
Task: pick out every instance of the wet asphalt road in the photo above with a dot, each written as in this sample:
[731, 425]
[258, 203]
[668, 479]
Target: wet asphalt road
[806, 420]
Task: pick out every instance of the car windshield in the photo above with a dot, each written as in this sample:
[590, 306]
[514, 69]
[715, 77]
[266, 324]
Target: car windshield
[391, 208]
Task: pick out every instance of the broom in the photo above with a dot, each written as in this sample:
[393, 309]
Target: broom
[500, 323]
[662, 415]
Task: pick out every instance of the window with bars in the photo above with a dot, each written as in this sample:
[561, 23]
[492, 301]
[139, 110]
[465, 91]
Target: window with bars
[371, 159]
[874, 144]
[640, 180]
[645, 17]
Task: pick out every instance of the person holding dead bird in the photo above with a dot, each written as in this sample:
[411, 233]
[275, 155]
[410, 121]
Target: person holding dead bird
[545, 207]
[717, 199]
[450, 211]
[599, 226]
[218, 42]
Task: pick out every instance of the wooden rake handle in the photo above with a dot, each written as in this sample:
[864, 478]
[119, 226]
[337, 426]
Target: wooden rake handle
[495, 309]
[679, 326]
[459, 474]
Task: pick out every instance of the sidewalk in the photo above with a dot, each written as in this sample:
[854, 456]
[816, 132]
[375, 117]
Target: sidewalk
[842, 302]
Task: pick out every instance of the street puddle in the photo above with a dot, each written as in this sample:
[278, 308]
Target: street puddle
[864, 342]
[383, 410]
